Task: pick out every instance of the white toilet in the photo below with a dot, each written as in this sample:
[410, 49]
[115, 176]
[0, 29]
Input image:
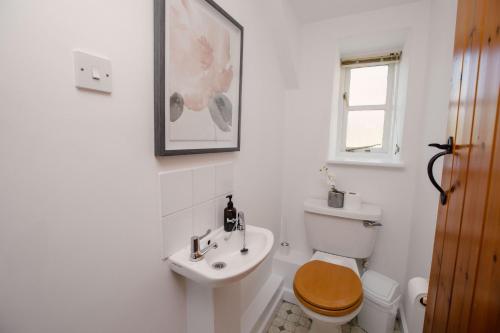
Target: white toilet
[328, 287]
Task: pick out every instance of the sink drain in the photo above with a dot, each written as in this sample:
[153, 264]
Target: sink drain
[219, 265]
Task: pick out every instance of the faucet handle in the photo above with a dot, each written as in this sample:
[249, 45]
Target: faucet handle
[205, 234]
[195, 241]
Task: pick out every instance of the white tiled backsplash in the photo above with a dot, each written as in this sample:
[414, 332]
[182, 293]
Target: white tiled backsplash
[192, 201]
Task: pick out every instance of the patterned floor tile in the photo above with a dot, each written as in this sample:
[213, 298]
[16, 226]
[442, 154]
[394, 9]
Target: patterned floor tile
[291, 319]
[290, 326]
[278, 321]
[295, 309]
[301, 329]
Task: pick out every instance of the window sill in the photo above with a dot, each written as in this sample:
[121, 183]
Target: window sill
[368, 163]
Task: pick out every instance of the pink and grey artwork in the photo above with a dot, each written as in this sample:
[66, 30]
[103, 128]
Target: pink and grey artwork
[203, 73]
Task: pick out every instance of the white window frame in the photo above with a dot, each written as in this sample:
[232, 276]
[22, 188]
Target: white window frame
[388, 148]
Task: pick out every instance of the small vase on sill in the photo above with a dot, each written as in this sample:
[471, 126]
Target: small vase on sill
[335, 198]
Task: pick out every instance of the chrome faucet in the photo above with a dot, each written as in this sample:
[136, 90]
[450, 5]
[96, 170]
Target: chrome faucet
[242, 227]
[196, 253]
[239, 224]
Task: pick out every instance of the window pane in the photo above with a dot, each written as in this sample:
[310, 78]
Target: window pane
[368, 85]
[365, 128]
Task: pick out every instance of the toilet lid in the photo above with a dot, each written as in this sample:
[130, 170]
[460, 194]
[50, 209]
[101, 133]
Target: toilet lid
[328, 286]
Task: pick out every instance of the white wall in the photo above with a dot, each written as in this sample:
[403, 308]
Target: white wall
[308, 121]
[441, 38]
[285, 30]
[80, 233]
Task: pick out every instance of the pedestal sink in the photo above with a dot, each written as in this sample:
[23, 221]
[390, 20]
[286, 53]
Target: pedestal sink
[220, 269]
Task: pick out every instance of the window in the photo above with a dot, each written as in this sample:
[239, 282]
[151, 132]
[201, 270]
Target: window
[367, 108]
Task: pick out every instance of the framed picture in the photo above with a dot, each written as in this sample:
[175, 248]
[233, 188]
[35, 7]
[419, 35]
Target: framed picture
[198, 78]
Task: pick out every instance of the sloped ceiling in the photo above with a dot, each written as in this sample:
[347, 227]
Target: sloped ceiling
[316, 10]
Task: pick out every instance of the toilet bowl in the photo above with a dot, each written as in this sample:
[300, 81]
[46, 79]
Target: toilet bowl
[329, 291]
[328, 287]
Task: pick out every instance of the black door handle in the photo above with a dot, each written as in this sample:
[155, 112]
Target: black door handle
[447, 149]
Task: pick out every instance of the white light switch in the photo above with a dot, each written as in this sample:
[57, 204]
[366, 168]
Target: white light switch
[92, 72]
[95, 74]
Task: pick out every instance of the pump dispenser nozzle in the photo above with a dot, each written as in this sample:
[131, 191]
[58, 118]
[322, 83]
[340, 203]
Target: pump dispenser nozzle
[230, 203]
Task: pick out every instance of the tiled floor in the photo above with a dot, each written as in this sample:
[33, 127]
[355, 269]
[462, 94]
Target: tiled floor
[290, 319]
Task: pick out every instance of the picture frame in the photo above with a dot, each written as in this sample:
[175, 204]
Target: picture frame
[198, 74]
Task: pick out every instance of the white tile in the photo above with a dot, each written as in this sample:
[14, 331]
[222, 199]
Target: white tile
[203, 184]
[290, 327]
[224, 178]
[303, 321]
[293, 318]
[282, 313]
[278, 322]
[203, 218]
[301, 329]
[177, 230]
[274, 329]
[295, 309]
[176, 191]
[220, 205]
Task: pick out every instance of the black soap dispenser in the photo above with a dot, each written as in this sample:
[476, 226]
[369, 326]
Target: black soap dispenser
[229, 215]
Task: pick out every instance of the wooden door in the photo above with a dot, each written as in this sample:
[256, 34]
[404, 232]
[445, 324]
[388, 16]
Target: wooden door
[464, 292]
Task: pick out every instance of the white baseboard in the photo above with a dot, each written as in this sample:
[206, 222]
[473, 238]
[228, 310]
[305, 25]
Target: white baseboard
[260, 312]
[270, 313]
[289, 296]
[284, 294]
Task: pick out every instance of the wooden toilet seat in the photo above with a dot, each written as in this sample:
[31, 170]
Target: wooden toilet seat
[328, 289]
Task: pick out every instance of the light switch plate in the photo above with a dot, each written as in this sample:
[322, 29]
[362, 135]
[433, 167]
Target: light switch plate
[92, 72]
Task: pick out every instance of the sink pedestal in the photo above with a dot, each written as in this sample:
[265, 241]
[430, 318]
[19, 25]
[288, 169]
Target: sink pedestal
[213, 310]
[212, 284]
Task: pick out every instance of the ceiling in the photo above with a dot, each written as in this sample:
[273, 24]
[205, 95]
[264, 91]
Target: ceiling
[317, 10]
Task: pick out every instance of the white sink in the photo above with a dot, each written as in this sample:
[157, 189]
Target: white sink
[259, 242]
